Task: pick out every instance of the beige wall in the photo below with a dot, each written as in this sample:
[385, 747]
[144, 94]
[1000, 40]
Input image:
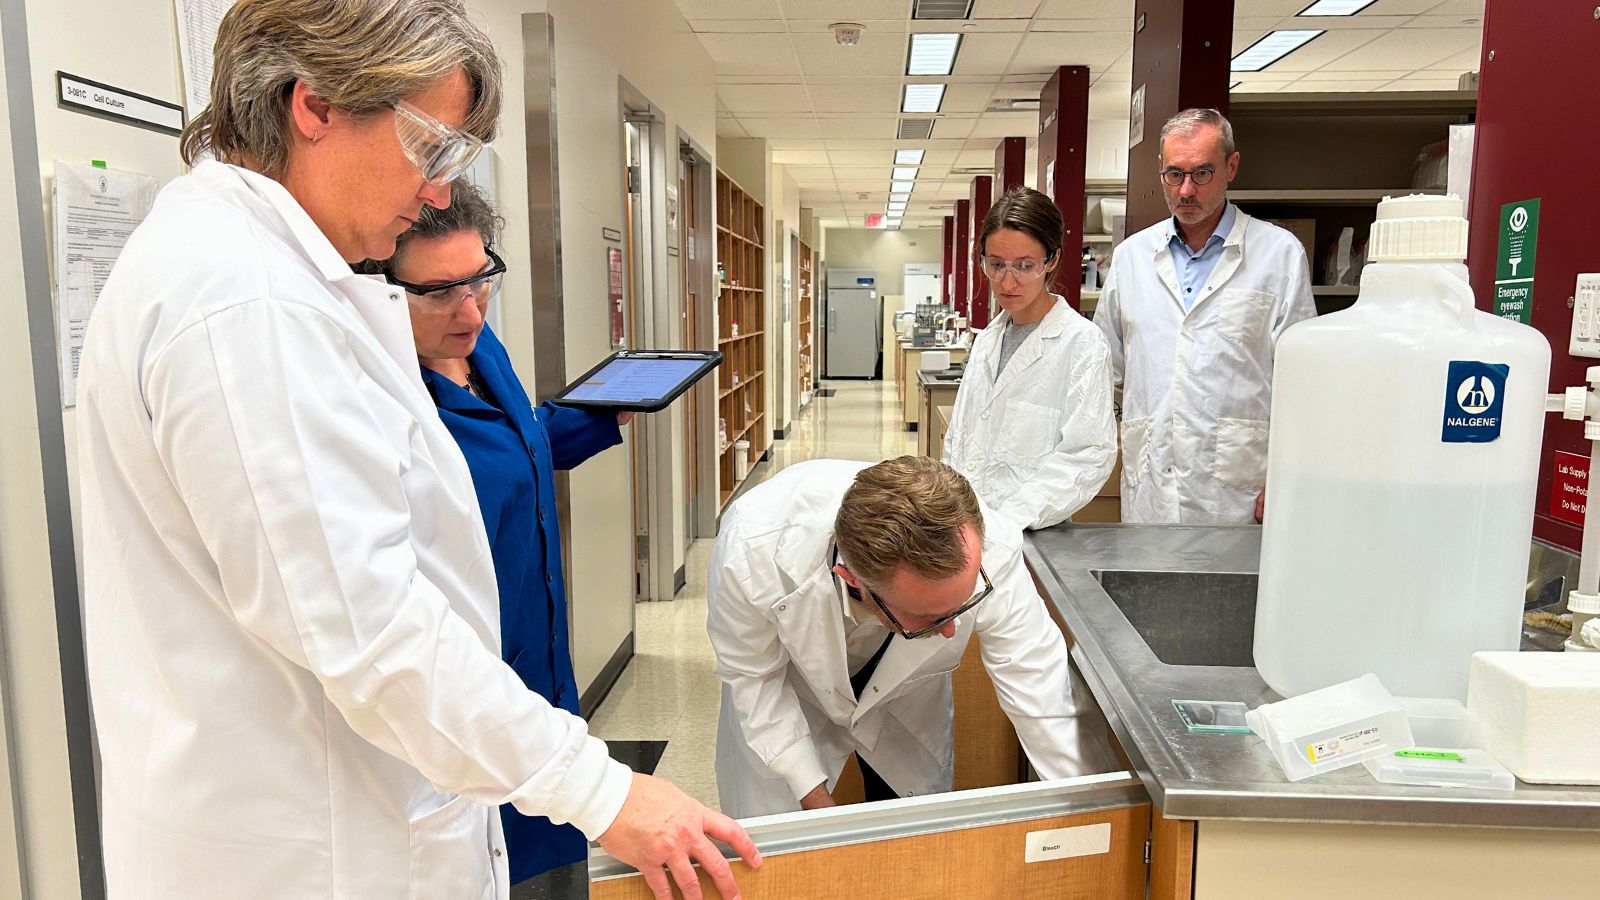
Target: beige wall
[649, 43]
[887, 252]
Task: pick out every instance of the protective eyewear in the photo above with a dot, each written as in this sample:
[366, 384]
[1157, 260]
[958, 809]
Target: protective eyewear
[447, 296]
[439, 151]
[942, 621]
[1024, 270]
[1200, 177]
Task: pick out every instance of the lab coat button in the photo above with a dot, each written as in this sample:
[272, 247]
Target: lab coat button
[875, 689]
[394, 296]
[782, 607]
[497, 852]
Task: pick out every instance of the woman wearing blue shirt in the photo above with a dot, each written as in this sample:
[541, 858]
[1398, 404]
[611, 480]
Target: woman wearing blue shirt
[447, 265]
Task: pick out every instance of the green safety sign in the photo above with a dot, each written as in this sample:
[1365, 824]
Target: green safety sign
[1513, 272]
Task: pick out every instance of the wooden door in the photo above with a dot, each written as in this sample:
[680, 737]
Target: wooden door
[1086, 839]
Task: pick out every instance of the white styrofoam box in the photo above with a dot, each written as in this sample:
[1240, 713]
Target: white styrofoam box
[1585, 340]
[934, 360]
[1539, 713]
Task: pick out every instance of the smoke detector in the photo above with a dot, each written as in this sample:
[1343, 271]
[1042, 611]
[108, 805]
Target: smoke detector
[847, 33]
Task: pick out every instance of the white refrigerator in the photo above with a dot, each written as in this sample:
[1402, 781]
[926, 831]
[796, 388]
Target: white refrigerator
[854, 324]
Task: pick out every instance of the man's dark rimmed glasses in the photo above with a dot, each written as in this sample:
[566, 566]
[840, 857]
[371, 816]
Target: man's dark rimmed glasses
[988, 588]
[1200, 177]
[443, 295]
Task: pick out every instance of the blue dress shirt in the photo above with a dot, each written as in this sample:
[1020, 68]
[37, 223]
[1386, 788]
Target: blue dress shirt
[1194, 268]
[513, 451]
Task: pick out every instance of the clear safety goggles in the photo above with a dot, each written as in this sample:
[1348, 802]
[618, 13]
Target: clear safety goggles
[446, 297]
[1024, 270]
[439, 151]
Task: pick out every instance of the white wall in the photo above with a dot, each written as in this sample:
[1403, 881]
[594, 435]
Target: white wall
[887, 252]
[131, 44]
[649, 43]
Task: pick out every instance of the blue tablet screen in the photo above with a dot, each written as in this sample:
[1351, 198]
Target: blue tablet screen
[634, 380]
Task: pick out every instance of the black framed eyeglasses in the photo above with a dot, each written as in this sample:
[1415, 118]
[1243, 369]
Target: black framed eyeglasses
[1200, 177]
[447, 296]
[855, 594]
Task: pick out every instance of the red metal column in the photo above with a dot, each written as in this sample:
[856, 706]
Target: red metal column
[962, 258]
[1010, 165]
[1534, 139]
[949, 271]
[978, 292]
[1063, 143]
[1181, 50]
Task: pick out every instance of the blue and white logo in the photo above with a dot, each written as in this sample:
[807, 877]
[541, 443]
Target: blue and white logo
[1474, 396]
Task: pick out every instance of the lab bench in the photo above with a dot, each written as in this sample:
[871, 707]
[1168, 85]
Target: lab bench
[936, 391]
[908, 361]
[1153, 614]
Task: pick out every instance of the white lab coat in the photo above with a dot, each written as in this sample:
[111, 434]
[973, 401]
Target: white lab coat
[290, 610]
[789, 717]
[1197, 385]
[1038, 440]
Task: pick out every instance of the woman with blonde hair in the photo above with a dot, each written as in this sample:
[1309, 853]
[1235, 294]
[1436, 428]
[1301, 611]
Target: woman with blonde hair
[290, 606]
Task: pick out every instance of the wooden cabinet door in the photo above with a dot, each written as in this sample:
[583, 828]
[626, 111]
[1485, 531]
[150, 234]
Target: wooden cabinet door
[1086, 837]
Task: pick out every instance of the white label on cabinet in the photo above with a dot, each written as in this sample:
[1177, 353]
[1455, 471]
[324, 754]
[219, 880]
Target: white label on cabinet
[1065, 843]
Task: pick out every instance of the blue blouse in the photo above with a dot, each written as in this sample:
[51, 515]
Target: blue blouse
[513, 450]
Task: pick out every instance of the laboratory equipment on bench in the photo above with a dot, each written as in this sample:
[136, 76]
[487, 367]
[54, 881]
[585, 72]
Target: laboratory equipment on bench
[1337, 726]
[1401, 473]
[855, 324]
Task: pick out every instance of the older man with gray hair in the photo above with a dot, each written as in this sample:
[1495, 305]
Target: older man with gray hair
[1193, 309]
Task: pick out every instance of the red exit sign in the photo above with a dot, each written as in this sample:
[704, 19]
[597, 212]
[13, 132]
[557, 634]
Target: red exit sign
[1569, 488]
[875, 220]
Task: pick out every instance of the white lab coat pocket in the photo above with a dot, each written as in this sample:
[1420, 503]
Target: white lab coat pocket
[1242, 315]
[1029, 433]
[1135, 433]
[1241, 462]
[450, 852]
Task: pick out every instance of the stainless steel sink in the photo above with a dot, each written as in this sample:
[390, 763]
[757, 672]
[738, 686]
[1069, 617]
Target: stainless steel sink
[1189, 618]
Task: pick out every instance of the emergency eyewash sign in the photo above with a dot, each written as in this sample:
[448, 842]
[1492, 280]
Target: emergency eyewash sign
[1513, 274]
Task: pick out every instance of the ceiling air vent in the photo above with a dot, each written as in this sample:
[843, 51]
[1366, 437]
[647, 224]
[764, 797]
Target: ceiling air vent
[1013, 104]
[916, 129]
[941, 9]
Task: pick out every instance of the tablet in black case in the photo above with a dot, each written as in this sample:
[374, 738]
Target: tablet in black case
[639, 380]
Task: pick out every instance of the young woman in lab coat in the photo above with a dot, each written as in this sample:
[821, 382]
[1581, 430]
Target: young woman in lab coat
[1033, 427]
[447, 266]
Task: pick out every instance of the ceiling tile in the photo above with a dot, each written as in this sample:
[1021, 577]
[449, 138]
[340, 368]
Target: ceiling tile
[953, 127]
[1304, 87]
[729, 9]
[799, 127]
[861, 157]
[999, 125]
[797, 144]
[985, 54]
[1086, 9]
[858, 128]
[1411, 48]
[966, 98]
[795, 158]
[737, 26]
[1120, 29]
[1465, 61]
[1402, 7]
[1261, 87]
[847, 10]
[1004, 9]
[1279, 8]
[1043, 52]
[730, 128]
[1459, 7]
[762, 98]
[883, 98]
[877, 54]
[1328, 75]
[751, 54]
[1407, 84]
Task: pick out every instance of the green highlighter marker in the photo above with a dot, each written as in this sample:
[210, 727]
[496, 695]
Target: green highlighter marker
[1430, 754]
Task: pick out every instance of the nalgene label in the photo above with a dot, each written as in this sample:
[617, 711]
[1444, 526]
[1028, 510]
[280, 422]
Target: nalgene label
[1343, 745]
[1474, 396]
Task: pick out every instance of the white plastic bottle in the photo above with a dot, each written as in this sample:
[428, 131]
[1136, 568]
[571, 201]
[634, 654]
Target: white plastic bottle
[1401, 473]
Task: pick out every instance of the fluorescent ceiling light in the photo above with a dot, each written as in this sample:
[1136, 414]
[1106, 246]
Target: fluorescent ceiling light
[932, 54]
[901, 187]
[899, 198]
[904, 173]
[924, 98]
[896, 209]
[891, 223]
[1336, 7]
[908, 157]
[1270, 49]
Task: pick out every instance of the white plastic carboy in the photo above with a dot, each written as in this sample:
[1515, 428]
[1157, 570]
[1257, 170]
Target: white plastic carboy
[1401, 473]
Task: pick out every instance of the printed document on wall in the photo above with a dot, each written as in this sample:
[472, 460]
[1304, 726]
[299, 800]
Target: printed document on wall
[197, 35]
[95, 211]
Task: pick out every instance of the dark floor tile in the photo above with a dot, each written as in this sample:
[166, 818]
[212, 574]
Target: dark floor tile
[640, 756]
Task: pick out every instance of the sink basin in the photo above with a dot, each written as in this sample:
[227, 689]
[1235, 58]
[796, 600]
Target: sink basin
[1189, 618]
